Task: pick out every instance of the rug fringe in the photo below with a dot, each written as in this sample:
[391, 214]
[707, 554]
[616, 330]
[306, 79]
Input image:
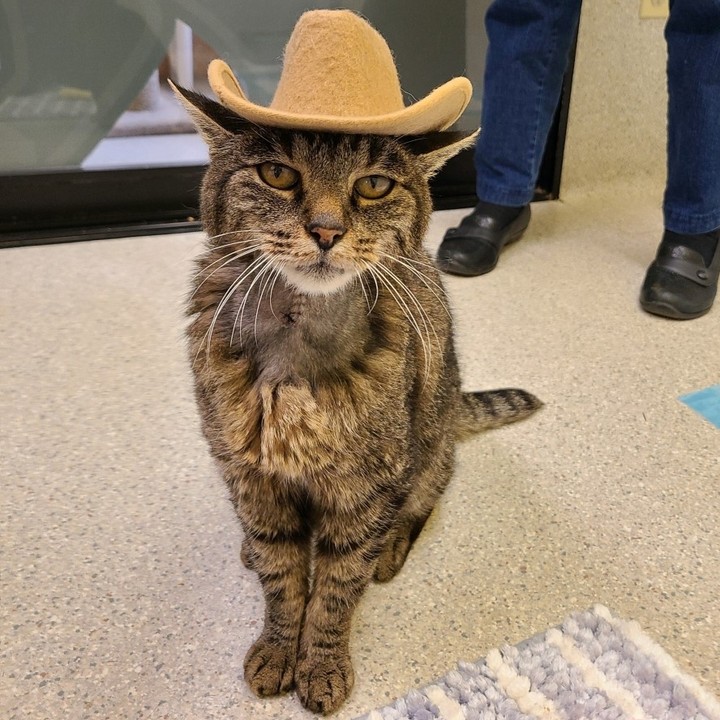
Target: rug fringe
[633, 632]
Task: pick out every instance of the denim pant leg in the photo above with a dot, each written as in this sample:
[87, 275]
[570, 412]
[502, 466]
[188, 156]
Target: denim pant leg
[692, 194]
[529, 45]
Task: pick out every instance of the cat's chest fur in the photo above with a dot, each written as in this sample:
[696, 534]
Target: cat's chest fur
[291, 337]
[306, 384]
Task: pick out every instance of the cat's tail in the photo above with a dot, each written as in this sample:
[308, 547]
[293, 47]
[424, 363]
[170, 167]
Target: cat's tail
[493, 408]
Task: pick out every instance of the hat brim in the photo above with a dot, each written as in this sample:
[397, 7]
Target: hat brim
[436, 111]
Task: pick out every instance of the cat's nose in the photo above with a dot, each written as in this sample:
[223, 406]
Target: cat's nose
[325, 232]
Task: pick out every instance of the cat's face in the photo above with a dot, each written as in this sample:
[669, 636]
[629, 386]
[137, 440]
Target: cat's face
[320, 208]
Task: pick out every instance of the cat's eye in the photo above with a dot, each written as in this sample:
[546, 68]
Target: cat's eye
[278, 176]
[374, 187]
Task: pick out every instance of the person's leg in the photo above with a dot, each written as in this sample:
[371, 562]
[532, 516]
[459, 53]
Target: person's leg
[682, 281]
[529, 46]
[529, 43]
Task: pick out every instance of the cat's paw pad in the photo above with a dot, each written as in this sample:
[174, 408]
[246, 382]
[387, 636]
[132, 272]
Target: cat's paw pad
[392, 558]
[269, 669]
[323, 684]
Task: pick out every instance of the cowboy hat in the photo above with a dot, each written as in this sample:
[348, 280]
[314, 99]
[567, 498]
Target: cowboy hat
[338, 75]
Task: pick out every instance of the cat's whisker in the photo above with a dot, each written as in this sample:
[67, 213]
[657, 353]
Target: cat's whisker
[365, 267]
[210, 238]
[259, 273]
[211, 247]
[226, 297]
[256, 268]
[207, 338]
[259, 232]
[244, 241]
[278, 273]
[423, 263]
[411, 295]
[424, 279]
[269, 273]
[359, 278]
[377, 291]
[389, 285]
[411, 316]
[389, 279]
[424, 317]
[228, 257]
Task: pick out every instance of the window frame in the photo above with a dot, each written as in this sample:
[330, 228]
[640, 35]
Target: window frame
[73, 205]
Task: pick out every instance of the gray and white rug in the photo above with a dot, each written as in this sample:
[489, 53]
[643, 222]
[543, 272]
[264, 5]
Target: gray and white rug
[595, 666]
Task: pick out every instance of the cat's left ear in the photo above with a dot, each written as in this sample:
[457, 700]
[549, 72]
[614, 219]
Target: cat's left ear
[435, 149]
[214, 122]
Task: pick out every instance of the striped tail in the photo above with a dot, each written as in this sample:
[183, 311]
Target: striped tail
[493, 408]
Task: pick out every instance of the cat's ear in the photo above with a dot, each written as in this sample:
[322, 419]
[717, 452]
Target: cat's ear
[435, 149]
[214, 122]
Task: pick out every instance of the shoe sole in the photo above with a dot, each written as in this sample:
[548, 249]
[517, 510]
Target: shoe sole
[461, 271]
[668, 311]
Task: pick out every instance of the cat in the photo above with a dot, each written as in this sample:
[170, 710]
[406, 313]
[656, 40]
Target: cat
[325, 373]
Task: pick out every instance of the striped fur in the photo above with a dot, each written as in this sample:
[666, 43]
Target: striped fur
[493, 408]
[332, 404]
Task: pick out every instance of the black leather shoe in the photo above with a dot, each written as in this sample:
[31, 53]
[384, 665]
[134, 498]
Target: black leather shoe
[474, 246]
[678, 284]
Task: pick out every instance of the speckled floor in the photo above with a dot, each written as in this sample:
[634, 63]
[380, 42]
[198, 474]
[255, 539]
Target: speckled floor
[123, 595]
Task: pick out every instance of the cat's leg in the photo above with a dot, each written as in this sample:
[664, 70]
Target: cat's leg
[346, 548]
[246, 555]
[428, 485]
[398, 545]
[277, 547]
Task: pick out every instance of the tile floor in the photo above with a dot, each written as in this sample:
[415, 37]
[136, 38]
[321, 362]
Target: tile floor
[122, 591]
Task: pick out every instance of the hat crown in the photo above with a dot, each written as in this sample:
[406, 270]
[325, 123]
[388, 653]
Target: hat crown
[339, 76]
[337, 64]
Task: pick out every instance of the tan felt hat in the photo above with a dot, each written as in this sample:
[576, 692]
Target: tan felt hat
[339, 75]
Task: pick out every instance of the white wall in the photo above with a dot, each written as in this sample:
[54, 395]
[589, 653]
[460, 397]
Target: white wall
[618, 110]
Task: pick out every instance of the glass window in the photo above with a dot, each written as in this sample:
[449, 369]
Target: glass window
[83, 83]
[92, 137]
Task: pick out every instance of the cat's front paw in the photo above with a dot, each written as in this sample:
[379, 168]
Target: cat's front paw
[323, 683]
[269, 669]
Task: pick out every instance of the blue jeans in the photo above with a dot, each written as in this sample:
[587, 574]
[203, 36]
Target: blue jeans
[529, 45]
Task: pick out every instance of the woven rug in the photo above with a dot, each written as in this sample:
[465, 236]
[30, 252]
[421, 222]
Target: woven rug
[594, 667]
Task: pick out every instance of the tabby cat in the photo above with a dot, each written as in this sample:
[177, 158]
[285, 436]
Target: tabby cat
[322, 349]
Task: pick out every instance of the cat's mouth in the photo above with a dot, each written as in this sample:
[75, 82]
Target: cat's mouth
[318, 278]
[322, 269]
